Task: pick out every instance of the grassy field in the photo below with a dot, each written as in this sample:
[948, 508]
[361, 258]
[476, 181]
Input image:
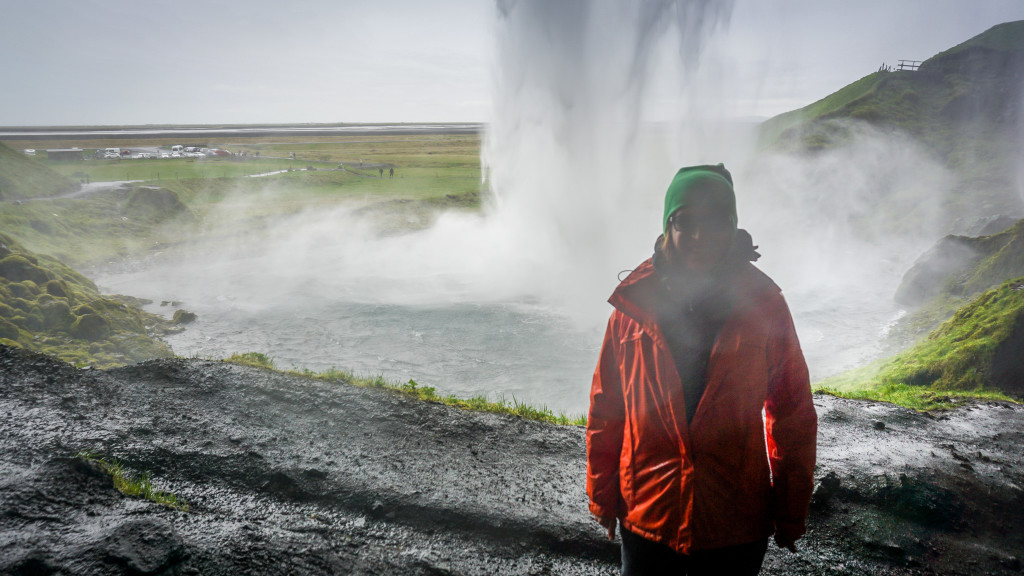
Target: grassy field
[220, 196]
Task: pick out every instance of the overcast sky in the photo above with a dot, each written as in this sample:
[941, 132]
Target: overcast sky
[85, 62]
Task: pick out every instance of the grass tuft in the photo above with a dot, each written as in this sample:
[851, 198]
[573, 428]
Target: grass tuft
[127, 484]
[916, 397]
[252, 359]
[415, 390]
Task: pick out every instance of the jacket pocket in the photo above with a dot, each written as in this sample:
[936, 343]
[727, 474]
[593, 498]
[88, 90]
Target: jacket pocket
[627, 479]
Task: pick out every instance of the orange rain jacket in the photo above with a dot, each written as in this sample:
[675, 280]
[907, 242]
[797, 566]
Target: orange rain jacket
[731, 476]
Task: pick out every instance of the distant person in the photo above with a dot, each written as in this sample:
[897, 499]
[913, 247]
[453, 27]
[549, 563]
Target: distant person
[381, 170]
[391, 173]
[699, 343]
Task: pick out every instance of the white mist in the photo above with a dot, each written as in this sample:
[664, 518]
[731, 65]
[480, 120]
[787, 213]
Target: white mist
[597, 104]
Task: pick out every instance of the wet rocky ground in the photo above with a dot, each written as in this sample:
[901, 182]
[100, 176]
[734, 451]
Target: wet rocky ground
[286, 475]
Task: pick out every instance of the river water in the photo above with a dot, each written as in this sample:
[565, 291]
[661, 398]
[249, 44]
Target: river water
[516, 349]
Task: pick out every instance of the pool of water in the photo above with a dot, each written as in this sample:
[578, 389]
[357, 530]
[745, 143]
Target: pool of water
[506, 349]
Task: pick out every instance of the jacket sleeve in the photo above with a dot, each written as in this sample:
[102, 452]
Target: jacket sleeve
[604, 430]
[791, 425]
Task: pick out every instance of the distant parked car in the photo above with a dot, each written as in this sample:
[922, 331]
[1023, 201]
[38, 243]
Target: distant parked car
[175, 154]
[30, 151]
[165, 155]
[141, 155]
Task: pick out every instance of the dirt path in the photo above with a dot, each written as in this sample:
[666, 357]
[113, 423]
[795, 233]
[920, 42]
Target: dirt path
[289, 475]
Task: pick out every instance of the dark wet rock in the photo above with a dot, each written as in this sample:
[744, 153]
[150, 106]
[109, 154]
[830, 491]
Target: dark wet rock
[145, 546]
[183, 317]
[289, 475]
[1006, 369]
[878, 425]
[825, 489]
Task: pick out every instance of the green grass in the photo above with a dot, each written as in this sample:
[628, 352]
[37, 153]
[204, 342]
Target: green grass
[170, 169]
[953, 365]
[24, 176]
[414, 390]
[915, 397]
[130, 485]
[432, 173]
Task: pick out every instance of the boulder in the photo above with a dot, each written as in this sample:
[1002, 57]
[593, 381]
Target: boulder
[16, 268]
[90, 327]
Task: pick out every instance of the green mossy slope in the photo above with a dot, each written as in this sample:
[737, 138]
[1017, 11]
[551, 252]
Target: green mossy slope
[970, 90]
[24, 177]
[955, 270]
[975, 354]
[99, 227]
[45, 306]
[963, 266]
[962, 104]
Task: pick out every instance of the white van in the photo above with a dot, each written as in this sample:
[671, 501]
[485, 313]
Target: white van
[177, 148]
[112, 153]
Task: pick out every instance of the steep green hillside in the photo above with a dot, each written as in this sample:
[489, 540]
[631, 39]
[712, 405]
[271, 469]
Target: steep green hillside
[23, 177]
[955, 270]
[963, 104]
[976, 354]
[46, 306]
[963, 266]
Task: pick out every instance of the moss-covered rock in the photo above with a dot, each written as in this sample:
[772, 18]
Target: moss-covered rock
[156, 204]
[34, 321]
[183, 317]
[57, 288]
[21, 304]
[48, 307]
[8, 330]
[90, 327]
[16, 268]
[26, 290]
[56, 315]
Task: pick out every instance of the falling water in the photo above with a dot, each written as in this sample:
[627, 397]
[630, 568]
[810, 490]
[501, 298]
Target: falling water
[596, 105]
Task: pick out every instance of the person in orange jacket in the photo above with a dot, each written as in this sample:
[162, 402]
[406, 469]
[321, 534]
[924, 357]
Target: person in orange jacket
[701, 435]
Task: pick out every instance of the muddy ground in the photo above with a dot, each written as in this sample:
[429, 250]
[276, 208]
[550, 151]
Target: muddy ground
[286, 475]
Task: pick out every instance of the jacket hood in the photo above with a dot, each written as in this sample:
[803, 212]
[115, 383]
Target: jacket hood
[638, 294]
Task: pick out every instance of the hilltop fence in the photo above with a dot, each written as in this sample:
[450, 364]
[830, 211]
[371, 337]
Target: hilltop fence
[902, 66]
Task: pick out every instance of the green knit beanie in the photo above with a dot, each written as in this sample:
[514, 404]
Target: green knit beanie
[692, 185]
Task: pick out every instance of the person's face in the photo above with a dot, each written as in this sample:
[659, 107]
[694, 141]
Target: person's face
[699, 237]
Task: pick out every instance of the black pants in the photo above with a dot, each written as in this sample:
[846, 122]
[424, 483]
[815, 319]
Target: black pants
[641, 557]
